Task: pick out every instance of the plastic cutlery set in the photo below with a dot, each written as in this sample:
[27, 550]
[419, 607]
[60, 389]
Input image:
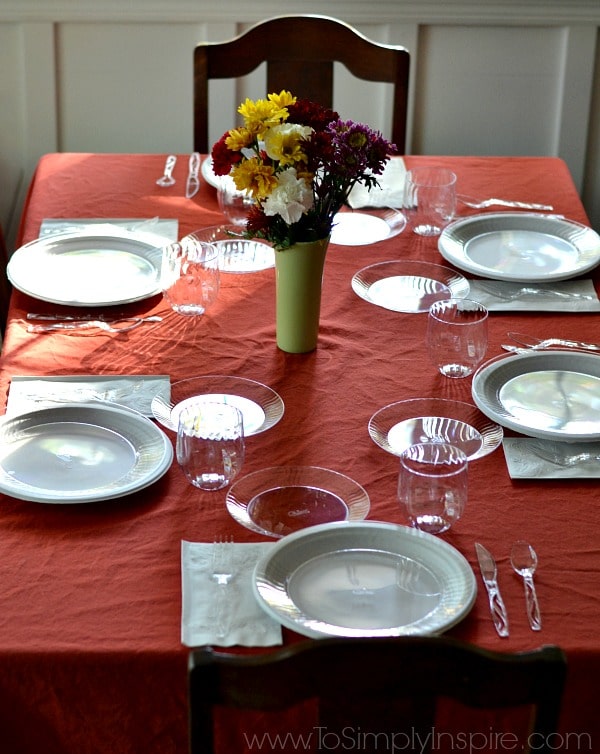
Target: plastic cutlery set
[523, 559]
[470, 201]
[41, 323]
[193, 180]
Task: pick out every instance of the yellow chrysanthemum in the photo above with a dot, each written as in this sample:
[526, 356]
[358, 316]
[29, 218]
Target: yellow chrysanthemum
[285, 143]
[255, 177]
[238, 139]
[283, 99]
[261, 114]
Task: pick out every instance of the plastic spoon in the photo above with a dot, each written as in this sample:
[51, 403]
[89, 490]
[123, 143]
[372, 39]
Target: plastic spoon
[167, 178]
[524, 561]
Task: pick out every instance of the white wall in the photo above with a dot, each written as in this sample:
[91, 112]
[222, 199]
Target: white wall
[517, 77]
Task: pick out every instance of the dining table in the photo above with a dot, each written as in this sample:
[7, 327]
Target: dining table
[91, 654]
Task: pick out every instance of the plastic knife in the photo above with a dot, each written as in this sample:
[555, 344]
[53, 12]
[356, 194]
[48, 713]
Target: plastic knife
[487, 565]
[193, 182]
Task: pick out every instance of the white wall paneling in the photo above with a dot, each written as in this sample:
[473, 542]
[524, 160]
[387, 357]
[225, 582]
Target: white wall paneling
[488, 77]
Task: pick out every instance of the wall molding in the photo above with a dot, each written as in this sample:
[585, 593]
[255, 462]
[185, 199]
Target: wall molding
[507, 13]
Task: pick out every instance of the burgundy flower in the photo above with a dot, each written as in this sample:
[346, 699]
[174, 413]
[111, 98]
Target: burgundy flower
[311, 114]
[223, 157]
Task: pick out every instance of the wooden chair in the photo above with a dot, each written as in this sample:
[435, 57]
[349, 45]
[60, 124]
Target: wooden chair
[300, 52]
[376, 684]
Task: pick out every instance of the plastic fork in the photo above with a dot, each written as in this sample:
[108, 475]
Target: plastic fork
[565, 454]
[99, 324]
[485, 203]
[527, 290]
[221, 574]
[537, 344]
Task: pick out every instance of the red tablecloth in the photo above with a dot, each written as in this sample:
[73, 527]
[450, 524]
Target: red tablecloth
[90, 595]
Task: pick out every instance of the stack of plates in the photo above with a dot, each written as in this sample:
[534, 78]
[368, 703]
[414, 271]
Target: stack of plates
[92, 267]
[78, 453]
[520, 247]
[545, 394]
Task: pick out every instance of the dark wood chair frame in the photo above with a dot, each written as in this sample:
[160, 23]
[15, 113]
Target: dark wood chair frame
[300, 52]
[354, 676]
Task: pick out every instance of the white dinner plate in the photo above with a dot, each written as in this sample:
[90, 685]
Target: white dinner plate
[408, 286]
[89, 267]
[261, 407]
[77, 453]
[520, 246]
[361, 227]
[364, 579]
[545, 394]
[281, 500]
[236, 254]
[399, 425]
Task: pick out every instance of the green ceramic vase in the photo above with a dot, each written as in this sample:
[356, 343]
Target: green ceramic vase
[298, 281]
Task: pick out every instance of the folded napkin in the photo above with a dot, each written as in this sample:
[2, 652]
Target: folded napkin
[390, 192]
[524, 459]
[545, 301]
[134, 391]
[247, 623]
[159, 226]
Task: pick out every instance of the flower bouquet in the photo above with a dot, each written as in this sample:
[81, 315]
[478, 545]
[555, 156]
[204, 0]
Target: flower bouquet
[298, 162]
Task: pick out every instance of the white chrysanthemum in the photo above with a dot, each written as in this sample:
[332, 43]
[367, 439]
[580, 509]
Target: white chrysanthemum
[291, 199]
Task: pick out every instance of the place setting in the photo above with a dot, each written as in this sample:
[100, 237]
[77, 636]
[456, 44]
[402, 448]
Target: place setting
[525, 261]
[549, 397]
[329, 572]
[79, 439]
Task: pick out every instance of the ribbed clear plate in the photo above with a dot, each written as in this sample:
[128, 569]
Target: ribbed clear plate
[408, 286]
[261, 407]
[399, 425]
[281, 500]
[236, 254]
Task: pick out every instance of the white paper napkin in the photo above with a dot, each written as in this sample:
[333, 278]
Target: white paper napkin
[159, 226]
[134, 391]
[390, 192]
[524, 463]
[247, 623]
[540, 302]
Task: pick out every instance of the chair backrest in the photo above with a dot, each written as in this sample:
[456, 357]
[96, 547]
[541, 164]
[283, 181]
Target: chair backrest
[376, 684]
[300, 52]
